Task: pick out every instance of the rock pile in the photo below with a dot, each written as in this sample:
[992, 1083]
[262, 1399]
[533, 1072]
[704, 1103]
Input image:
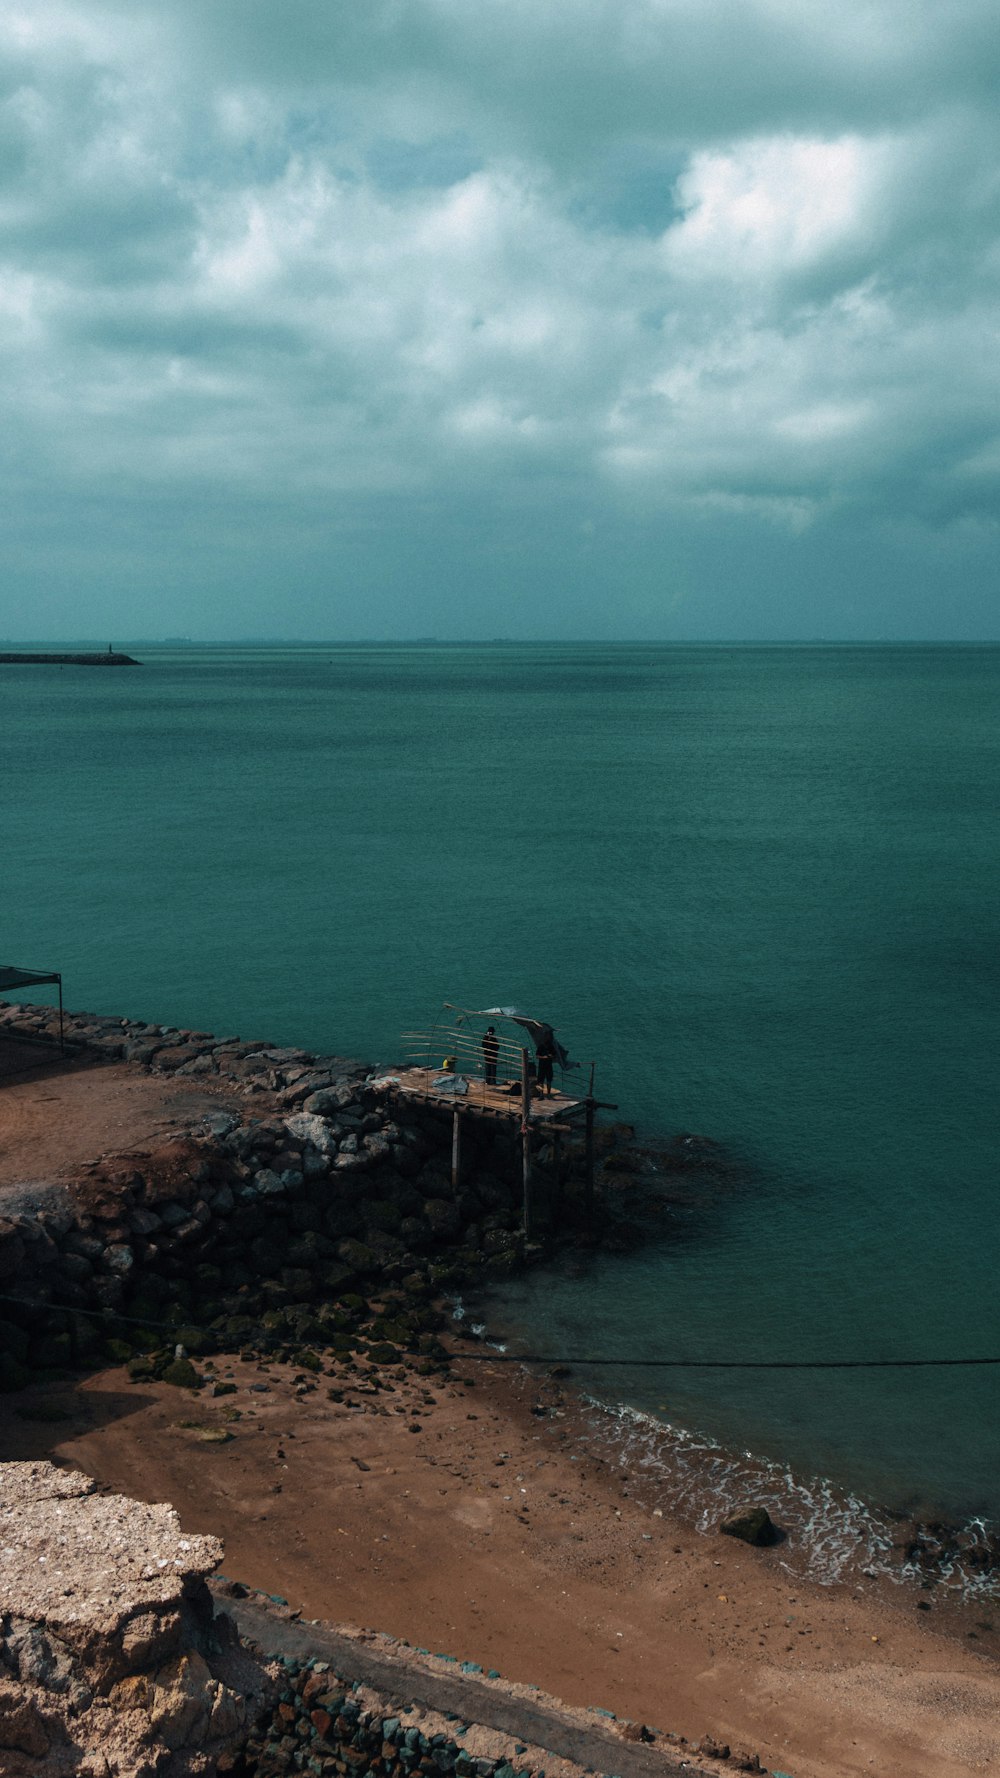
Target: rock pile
[325, 1725]
[277, 1222]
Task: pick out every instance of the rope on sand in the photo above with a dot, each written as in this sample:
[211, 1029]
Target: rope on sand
[494, 1357]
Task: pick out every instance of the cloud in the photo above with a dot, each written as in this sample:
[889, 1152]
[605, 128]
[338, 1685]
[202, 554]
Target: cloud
[654, 256]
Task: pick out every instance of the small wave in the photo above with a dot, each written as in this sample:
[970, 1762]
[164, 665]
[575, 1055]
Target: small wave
[831, 1536]
[477, 1329]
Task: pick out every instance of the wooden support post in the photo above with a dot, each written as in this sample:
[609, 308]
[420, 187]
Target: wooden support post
[456, 1149]
[526, 1142]
[589, 1174]
[558, 1180]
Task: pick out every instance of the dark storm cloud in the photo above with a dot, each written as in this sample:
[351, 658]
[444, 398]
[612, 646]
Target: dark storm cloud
[412, 273]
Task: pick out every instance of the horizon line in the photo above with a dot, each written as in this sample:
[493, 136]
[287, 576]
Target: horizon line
[47, 645]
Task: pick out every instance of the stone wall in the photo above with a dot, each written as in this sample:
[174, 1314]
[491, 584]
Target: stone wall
[279, 1220]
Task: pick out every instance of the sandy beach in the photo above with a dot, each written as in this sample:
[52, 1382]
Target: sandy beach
[471, 1510]
[464, 1513]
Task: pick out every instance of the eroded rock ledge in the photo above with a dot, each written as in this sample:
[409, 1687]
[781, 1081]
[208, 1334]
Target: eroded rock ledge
[112, 1664]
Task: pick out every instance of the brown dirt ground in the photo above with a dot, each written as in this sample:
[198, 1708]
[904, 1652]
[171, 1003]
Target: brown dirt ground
[449, 1513]
[62, 1114]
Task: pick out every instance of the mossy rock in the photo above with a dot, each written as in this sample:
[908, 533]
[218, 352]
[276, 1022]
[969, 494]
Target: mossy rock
[194, 1339]
[13, 1342]
[118, 1351]
[309, 1361]
[86, 1337]
[397, 1332]
[52, 1352]
[149, 1295]
[382, 1353]
[142, 1369]
[334, 1316]
[182, 1374]
[443, 1275]
[146, 1306]
[505, 1262]
[236, 1328]
[622, 1161]
[13, 1374]
[354, 1302]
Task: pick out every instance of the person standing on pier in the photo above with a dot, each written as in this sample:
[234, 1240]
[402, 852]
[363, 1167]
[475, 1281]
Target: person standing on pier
[545, 1055]
[491, 1049]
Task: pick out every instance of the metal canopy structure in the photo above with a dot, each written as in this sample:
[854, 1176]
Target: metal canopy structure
[450, 1067]
[14, 978]
[454, 1044]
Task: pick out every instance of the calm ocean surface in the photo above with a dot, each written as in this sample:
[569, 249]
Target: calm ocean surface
[758, 885]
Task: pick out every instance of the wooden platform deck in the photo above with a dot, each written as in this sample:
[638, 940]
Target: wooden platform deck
[486, 1101]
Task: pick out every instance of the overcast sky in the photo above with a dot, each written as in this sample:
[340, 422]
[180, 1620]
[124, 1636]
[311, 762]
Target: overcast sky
[569, 318]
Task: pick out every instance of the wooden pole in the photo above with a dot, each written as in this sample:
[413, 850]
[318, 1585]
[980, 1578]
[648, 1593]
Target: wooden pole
[557, 1171]
[456, 1149]
[589, 1174]
[526, 1142]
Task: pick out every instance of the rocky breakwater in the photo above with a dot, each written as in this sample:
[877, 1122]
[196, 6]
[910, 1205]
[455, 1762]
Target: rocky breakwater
[278, 1220]
[20, 657]
[113, 1663]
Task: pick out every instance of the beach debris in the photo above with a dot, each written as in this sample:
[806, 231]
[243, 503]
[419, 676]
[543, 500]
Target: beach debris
[637, 1731]
[752, 1526]
[712, 1749]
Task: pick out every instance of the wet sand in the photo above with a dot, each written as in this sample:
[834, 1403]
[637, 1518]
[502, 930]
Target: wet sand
[467, 1514]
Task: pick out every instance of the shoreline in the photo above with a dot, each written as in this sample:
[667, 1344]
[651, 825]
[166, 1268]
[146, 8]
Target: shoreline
[478, 1513]
[640, 1178]
[467, 1513]
[830, 1535]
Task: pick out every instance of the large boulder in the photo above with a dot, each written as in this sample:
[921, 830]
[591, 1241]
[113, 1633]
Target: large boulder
[317, 1131]
[752, 1526]
[328, 1100]
[110, 1661]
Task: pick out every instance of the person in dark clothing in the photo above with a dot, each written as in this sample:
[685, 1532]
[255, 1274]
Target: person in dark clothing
[490, 1048]
[545, 1054]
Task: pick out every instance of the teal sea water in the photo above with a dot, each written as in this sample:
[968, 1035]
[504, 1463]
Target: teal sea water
[757, 885]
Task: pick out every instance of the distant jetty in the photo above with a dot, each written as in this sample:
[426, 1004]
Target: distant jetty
[110, 659]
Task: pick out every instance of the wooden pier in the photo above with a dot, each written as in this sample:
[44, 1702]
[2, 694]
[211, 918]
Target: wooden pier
[493, 1084]
[482, 1100]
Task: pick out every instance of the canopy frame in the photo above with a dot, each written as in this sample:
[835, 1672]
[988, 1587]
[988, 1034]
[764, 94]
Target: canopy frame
[13, 977]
